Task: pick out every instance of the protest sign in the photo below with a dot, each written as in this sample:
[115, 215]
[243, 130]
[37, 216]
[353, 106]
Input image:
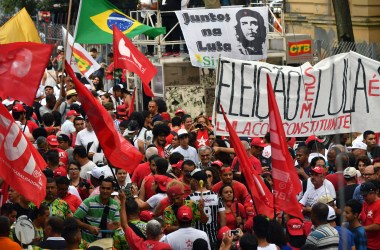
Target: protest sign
[239, 33]
[340, 94]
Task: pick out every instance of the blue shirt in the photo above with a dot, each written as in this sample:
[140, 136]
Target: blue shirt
[357, 196]
[360, 237]
[346, 238]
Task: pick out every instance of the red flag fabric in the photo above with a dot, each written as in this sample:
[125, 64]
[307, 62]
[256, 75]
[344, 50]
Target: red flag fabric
[119, 152]
[262, 197]
[132, 106]
[21, 164]
[127, 56]
[286, 183]
[22, 66]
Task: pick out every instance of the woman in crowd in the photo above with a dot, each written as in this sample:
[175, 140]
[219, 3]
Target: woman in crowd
[81, 185]
[106, 98]
[235, 213]
[212, 177]
[97, 84]
[361, 163]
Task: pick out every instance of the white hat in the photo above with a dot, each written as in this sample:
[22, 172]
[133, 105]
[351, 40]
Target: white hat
[60, 47]
[358, 145]
[7, 102]
[326, 198]
[98, 172]
[182, 132]
[331, 216]
[349, 172]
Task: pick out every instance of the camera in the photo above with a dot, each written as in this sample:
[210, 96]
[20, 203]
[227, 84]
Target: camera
[199, 125]
[234, 232]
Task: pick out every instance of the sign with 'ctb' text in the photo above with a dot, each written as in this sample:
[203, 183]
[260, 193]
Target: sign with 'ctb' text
[239, 33]
[340, 94]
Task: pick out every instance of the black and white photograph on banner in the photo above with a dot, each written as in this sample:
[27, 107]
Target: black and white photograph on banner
[238, 33]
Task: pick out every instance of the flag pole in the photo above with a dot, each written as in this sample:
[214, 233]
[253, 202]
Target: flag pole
[66, 39]
[114, 176]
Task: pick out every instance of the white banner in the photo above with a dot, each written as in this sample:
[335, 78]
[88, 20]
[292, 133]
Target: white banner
[231, 32]
[340, 94]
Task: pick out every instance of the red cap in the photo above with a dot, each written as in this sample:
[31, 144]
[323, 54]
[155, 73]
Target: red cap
[179, 111]
[217, 162]
[52, 140]
[318, 170]
[178, 164]
[258, 142]
[121, 110]
[60, 171]
[162, 181]
[184, 213]
[221, 231]
[313, 138]
[295, 227]
[174, 190]
[165, 116]
[18, 108]
[146, 215]
[71, 113]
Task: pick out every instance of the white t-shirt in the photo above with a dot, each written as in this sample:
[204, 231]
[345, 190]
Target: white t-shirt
[84, 137]
[183, 238]
[155, 199]
[312, 195]
[74, 191]
[189, 154]
[68, 127]
[86, 168]
[269, 247]
[329, 186]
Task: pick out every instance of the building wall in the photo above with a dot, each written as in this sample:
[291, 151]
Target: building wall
[316, 17]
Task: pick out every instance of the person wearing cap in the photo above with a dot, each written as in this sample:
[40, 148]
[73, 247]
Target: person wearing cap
[312, 195]
[135, 241]
[346, 238]
[19, 115]
[176, 161]
[204, 154]
[295, 232]
[186, 234]
[352, 212]
[64, 142]
[350, 176]
[98, 212]
[358, 149]
[257, 158]
[68, 125]
[188, 152]
[54, 144]
[179, 112]
[64, 108]
[212, 204]
[370, 173]
[54, 161]
[323, 236]
[370, 214]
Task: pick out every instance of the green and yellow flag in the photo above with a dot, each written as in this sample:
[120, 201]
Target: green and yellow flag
[97, 17]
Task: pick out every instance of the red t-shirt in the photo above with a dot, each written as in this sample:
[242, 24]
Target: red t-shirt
[337, 179]
[253, 160]
[140, 172]
[135, 242]
[109, 76]
[240, 192]
[202, 138]
[31, 125]
[73, 201]
[371, 215]
[63, 157]
[148, 186]
[230, 216]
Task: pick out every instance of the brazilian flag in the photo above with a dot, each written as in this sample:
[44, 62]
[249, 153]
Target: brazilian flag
[97, 17]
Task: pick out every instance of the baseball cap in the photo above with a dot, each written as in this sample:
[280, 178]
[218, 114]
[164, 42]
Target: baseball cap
[295, 227]
[71, 92]
[63, 137]
[162, 181]
[60, 74]
[358, 145]
[177, 165]
[312, 138]
[367, 187]
[217, 162]
[326, 198]
[199, 174]
[318, 170]
[184, 214]
[48, 86]
[331, 216]
[7, 102]
[222, 231]
[52, 140]
[174, 190]
[258, 142]
[60, 47]
[146, 215]
[71, 113]
[18, 108]
[133, 125]
[121, 110]
[98, 172]
[349, 172]
[178, 111]
[182, 132]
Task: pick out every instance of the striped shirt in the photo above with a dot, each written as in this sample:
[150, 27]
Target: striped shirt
[213, 205]
[324, 237]
[91, 211]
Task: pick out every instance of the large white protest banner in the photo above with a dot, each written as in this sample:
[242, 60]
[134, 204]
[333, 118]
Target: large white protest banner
[239, 33]
[340, 94]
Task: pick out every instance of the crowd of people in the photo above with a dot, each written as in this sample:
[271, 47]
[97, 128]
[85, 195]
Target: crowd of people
[189, 192]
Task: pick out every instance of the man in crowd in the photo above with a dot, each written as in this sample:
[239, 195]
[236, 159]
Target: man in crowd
[188, 152]
[80, 155]
[204, 153]
[153, 110]
[86, 136]
[63, 193]
[303, 167]
[68, 125]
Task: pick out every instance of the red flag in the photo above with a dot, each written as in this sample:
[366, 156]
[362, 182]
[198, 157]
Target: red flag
[286, 183]
[132, 106]
[21, 164]
[22, 66]
[127, 56]
[262, 196]
[119, 152]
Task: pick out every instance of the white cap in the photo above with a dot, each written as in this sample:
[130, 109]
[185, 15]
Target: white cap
[349, 172]
[98, 172]
[358, 145]
[331, 216]
[60, 47]
[182, 132]
[7, 102]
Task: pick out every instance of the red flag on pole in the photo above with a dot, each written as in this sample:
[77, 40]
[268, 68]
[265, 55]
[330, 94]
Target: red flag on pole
[22, 66]
[21, 164]
[262, 197]
[286, 183]
[127, 56]
[132, 106]
[119, 152]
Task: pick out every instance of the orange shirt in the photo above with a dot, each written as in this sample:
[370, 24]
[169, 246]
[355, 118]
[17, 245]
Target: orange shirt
[7, 243]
